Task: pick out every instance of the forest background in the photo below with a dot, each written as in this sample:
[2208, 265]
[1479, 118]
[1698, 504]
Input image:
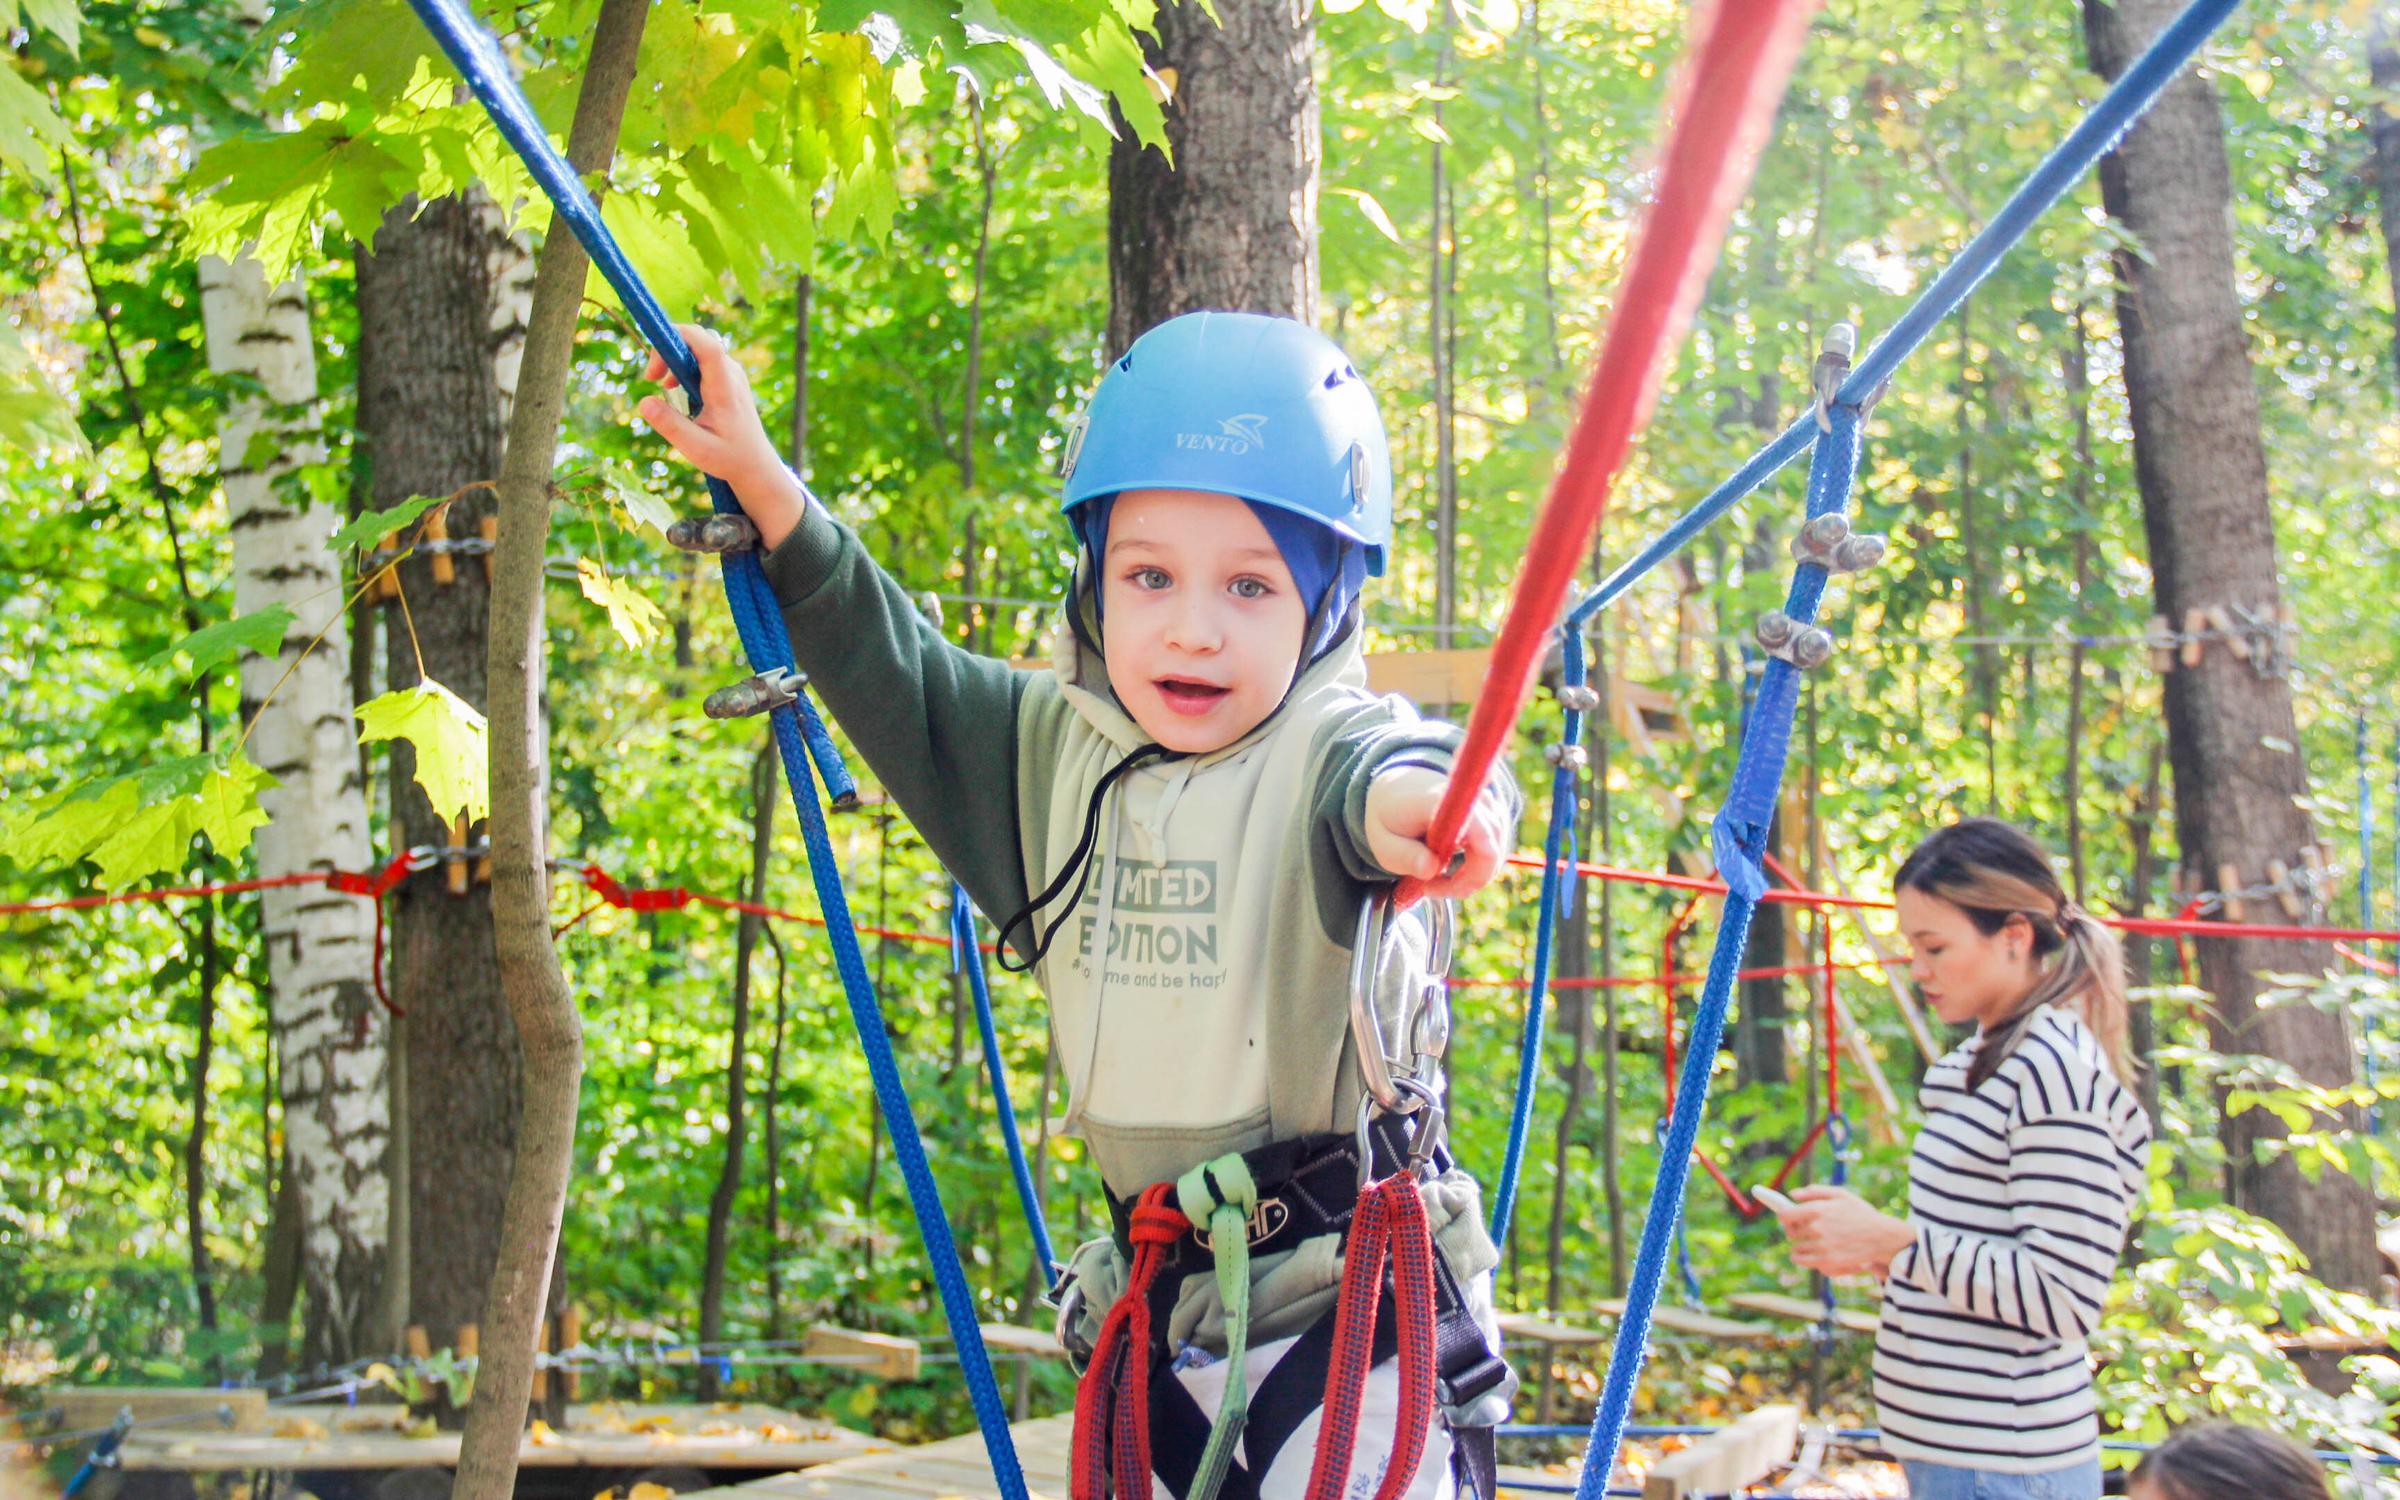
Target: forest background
[913, 209]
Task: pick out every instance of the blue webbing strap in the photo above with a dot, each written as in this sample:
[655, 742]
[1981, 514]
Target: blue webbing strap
[1741, 828]
[1556, 854]
[1740, 842]
[799, 733]
[2111, 117]
[964, 954]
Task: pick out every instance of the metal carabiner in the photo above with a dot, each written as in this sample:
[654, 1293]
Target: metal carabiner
[1423, 1029]
[1426, 1105]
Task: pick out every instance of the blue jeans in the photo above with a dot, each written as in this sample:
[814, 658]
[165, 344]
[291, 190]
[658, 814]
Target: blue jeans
[1946, 1482]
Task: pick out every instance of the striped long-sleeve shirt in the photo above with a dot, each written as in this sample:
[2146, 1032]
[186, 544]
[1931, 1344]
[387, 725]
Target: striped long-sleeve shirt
[2020, 1194]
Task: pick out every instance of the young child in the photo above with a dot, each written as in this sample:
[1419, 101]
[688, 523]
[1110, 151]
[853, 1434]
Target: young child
[1187, 815]
[2223, 1460]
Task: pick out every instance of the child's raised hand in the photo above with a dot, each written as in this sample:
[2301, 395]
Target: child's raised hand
[727, 440]
[1400, 807]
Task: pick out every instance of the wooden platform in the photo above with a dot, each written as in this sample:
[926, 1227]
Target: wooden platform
[955, 1469]
[602, 1435]
[1705, 1325]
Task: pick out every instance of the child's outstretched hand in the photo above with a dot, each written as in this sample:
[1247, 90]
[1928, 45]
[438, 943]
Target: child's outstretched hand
[727, 441]
[1400, 807]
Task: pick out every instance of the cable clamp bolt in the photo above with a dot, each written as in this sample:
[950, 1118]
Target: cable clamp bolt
[1561, 753]
[764, 693]
[1804, 646]
[1828, 541]
[1579, 698]
[714, 533]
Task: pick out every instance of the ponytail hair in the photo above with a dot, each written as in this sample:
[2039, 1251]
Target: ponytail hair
[1991, 871]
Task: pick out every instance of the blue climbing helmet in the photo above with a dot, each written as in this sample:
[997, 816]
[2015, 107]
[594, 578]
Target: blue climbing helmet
[1266, 409]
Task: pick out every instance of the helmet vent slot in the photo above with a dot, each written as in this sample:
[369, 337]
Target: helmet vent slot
[1335, 378]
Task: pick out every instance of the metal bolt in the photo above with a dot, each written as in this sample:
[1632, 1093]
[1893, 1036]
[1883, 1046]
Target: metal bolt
[714, 533]
[1859, 551]
[1774, 631]
[1579, 698]
[1820, 537]
[1811, 647]
[754, 695]
[1573, 757]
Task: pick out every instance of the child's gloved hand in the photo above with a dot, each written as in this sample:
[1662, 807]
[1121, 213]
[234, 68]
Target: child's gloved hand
[1400, 807]
[727, 441]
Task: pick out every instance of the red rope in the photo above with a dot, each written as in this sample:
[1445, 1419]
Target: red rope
[1112, 1401]
[1724, 103]
[1389, 1224]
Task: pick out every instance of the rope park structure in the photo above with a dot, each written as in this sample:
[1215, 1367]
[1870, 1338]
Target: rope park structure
[1730, 83]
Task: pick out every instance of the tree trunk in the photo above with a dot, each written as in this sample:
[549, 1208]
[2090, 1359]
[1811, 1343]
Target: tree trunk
[2077, 365]
[770, 1108]
[429, 423]
[195, 1141]
[1442, 350]
[763, 795]
[548, 1030]
[330, 1038]
[2200, 459]
[1232, 224]
[2383, 128]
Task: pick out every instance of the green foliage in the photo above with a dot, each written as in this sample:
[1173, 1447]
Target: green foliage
[449, 736]
[143, 822]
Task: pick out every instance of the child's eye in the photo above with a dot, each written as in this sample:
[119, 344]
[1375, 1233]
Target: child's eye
[1149, 578]
[1251, 588]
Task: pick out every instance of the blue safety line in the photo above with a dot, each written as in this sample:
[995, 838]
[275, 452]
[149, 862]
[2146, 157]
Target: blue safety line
[1555, 854]
[2133, 92]
[1739, 841]
[964, 954]
[799, 733]
[1739, 836]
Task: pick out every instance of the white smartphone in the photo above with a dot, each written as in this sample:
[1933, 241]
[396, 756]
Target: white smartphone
[1773, 1199]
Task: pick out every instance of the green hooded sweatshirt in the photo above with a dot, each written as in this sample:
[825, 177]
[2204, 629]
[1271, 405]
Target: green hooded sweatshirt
[1199, 991]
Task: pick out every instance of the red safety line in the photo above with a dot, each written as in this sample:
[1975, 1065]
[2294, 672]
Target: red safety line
[1729, 83]
[165, 893]
[2365, 960]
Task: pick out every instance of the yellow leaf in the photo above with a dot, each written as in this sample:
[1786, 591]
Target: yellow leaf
[453, 763]
[649, 1491]
[1374, 212]
[542, 1434]
[636, 620]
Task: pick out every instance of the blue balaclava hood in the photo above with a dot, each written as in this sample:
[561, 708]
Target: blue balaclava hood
[1326, 567]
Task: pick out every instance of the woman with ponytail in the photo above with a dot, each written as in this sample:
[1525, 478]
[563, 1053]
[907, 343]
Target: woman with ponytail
[2022, 1183]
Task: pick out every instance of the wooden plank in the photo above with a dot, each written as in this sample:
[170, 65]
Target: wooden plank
[957, 1468]
[603, 1435]
[1805, 1310]
[1690, 1320]
[81, 1407]
[1542, 1331]
[1728, 1460]
[1430, 676]
[1015, 1338]
[878, 1354]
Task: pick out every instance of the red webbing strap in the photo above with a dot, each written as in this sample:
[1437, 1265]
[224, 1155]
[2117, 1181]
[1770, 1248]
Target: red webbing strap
[1730, 82]
[1390, 1223]
[1112, 1402]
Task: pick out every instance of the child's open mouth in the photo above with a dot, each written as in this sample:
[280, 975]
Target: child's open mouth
[1187, 695]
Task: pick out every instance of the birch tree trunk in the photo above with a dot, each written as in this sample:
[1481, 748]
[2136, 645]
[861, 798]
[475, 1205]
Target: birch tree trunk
[331, 1040]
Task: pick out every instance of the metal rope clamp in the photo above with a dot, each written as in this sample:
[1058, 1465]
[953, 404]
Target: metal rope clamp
[769, 690]
[1400, 1063]
[717, 534]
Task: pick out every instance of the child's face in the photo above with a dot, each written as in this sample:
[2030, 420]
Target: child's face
[1201, 623]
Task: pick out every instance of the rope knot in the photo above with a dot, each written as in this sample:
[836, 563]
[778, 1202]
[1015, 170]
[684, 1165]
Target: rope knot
[1158, 1224]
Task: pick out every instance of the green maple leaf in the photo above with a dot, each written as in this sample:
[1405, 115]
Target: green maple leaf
[636, 620]
[29, 129]
[375, 525]
[260, 632]
[451, 740]
[143, 823]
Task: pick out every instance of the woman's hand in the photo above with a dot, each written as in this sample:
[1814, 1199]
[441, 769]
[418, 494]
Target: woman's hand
[1400, 807]
[1835, 1231]
[727, 441]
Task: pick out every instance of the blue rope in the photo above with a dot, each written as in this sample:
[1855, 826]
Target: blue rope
[964, 954]
[799, 733]
[1555, 853]
[2133, 92]
[1740, 841]
[1740, 833]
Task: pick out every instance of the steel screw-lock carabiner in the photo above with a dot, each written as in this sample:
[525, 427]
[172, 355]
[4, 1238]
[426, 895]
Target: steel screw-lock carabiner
[1411, 1049]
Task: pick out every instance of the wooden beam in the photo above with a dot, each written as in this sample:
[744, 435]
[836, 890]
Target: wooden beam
[1690, 1320]
[1430, 676]
[1013, 1338]
[878, 1354]
[1804, 1310]
[82, 1407]
[1541, 1331]
[1728, 1460]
